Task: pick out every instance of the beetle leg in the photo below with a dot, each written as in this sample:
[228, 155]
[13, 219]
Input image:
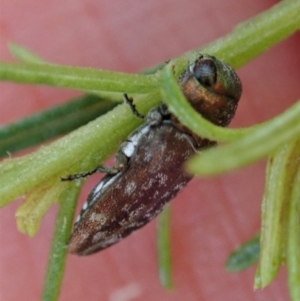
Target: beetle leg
[129, 102]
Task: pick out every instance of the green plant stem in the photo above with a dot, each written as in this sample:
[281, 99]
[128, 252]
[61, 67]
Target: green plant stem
[293, 241]
[281, 170]
[252, 37]
[55, 121]
[25, 55]
[58, 252]
[93, 143]
[251, 147]
[84, 79]
[247, 41]
[163, 248]
[51, 123]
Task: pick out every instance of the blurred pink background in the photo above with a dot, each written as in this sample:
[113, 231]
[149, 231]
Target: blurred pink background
[211, 216]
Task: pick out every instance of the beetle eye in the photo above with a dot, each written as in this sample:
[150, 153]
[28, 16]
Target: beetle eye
[206, 73]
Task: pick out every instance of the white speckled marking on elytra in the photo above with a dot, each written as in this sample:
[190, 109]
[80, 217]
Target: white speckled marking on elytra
[122, 222]
[85, 205]
[98, 187]
[77, 219]
[130, 187]
[169, 158]
[113, 239]
[147, 185]
[156, 194]
[83, 237]
[110, 181]
[128, 148]
[101, 244]
[125, 208]
[179, 186]
[166, 194]
[98, 236]
[163, 147]
[98, 217]
[138, 135]
[101, 185]
[148, 156]
[134, 213]
[162, 178]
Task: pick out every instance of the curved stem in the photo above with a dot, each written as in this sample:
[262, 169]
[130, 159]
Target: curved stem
[84, 79]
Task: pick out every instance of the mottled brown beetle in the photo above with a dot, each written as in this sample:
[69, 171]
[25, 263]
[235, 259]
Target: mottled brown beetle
[148, 170]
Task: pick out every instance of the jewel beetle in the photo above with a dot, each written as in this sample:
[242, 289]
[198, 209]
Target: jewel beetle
[148, 170]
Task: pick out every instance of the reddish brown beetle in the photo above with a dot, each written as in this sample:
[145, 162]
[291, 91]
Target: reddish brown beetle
[148, 171]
